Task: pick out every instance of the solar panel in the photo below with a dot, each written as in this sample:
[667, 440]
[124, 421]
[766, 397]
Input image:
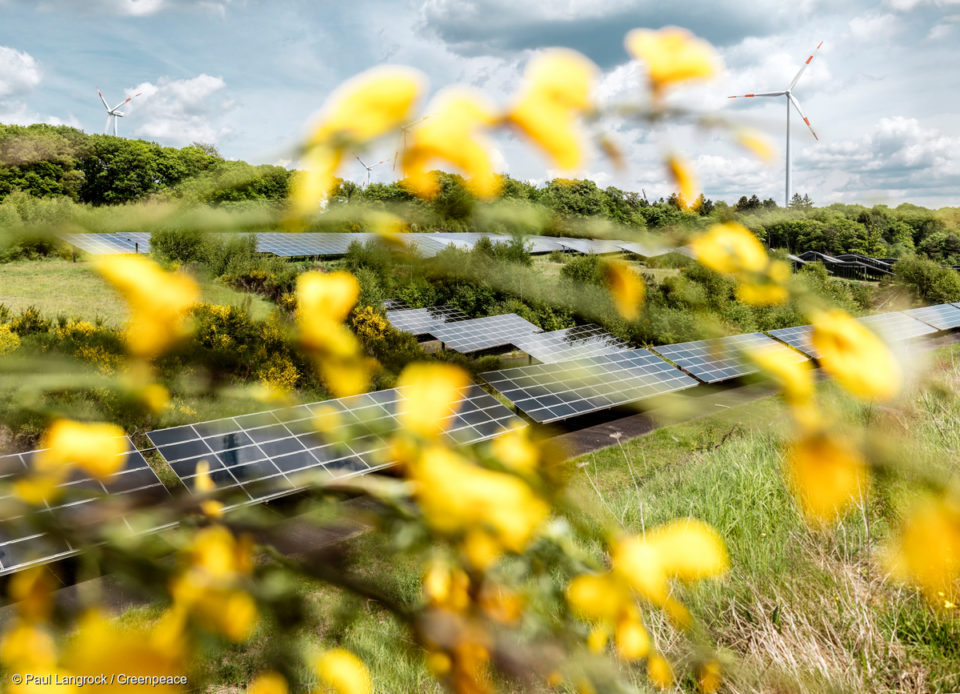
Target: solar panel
[578, 342]
[552, 392]
[941, 317]
[797, 337]
[483, 333]
[108, 244]
[720, 359]
[324, 244]
[422, 321]
[268, 454]
[543, 244]
[22, 546]
[589, 245]
[395, 304]
[896, 326]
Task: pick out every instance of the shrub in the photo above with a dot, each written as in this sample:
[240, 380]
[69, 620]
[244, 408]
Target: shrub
[29, 321]
[9, 340]
[928, 280]
[585, 269]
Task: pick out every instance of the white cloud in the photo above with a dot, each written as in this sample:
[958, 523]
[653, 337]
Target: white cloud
[908, 5]
[939, 31]
[873, 27]
[136, 8]
[19, 72]
[180, 111]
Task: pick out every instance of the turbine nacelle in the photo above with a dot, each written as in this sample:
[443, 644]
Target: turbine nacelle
[115, 112]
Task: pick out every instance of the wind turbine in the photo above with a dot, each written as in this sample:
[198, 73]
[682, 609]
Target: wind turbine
[114, 113]
[368, 168]
[790, 99]
[404, 129]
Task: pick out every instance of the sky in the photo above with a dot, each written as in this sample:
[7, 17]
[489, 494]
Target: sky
[247, 76]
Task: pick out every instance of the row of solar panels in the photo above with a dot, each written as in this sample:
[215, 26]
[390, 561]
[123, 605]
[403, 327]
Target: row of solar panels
[311, 244]
[268, 454]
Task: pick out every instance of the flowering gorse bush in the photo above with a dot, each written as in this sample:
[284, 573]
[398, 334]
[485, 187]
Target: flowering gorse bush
[515, 590]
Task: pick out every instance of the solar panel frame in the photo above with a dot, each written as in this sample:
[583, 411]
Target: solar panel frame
[268, 454]
[719, 359]
[422, 321]
[896, 326]
[33, 548]
[483, 333]
[554, 392]
[939, 316]
[797, 337]
[578, 342]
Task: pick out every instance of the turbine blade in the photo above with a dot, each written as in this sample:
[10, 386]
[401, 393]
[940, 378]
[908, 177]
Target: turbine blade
[395, 157]
[102, 99]
[804, 66]
[806, 120]
[360, 160]
[749, 96]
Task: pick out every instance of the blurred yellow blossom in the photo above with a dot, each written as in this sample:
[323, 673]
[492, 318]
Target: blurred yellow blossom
[431, 393]
[626, 287]
[709, 677]
[480, 549]
[27, 647]
[446, 586]
[36, 489]
[499, 603]
[794, 375]
[827, 473]
[762, 293]
[730, 248]
[452, 134]
[926, 549]
[204, 484]
[456, 495]
[858, 359]
[341, 672]
[631, 638]
[95, 448]
[219, 556]
[515, 450]
[31, 590]
[672, 55]
[557, 89]
[268, 683]
[597, 597]
[758, 143]
[659, 671]
[597, 638]
[159, 301]
[313, 182]
[683, 175]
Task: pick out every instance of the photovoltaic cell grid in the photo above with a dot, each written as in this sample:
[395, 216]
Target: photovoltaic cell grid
[22, 546]
[552, 392]
[896, 326]
[107, 244]
[267, 454]
[797, 337]
[720, 359]
[578, 342]
[483, 333]
[941, 317]
[421, 321]
[309, 243]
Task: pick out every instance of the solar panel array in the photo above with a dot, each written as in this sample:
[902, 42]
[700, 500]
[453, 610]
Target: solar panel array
[551, 392]
[293, 245]
[797, 337]
[577, 342]
[422, 321]
[22, 546]
[483, 333]
[720, 359]
[267, 454]
[941, 317]
[896, 326]
[109, 244]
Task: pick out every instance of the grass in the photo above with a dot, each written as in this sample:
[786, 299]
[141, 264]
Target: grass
[73, 289]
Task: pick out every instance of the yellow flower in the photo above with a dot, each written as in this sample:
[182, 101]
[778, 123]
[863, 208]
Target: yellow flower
[757, 143]
[203, 484]
[730, 248]
[631, 639]
[155, 397]
[9, 340]
[710, 677]
[368, 105]
[445, 586]
[95, 448]
[626, 287]
[794, 375]
[672, 55]
[268, 683]
[101, 645]
[659, 671]
[31, 591]
[25, 647]
[159, 301]
[500, 603]
[762, 294]
[480, 549]
[343, 672]
[328, 295]
[219, 555]
[687, 549]
[456, 496]
[557, 89]
[684, 176]
[36, 489]
[597, 639]
[827, 473]
[515, 450]
[597, 597]
[310, 186]
[430, 394]
[855, 356]
[926, 550]
[451, 134]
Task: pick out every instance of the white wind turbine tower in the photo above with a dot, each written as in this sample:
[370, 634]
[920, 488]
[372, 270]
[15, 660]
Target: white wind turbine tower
[368, 168]
[790, 99]
[114, 113]
[404, 129]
